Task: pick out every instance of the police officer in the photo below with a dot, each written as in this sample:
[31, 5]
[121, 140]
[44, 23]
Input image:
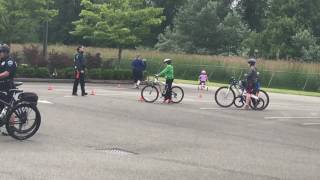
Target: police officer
[79, 67]
[8, 68]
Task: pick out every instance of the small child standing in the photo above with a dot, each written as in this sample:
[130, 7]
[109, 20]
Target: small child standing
[203, 78]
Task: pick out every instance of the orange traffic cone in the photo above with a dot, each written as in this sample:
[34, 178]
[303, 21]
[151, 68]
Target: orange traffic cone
[50, 88]
[93, 92]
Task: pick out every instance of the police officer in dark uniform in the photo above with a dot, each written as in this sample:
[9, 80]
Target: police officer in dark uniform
[79, 67]
[8, 68]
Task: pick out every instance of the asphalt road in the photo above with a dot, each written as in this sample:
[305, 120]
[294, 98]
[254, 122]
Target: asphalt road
[114, 136]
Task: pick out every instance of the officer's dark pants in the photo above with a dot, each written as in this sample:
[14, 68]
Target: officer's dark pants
[168, 95]
[5, 87]
[76, 83]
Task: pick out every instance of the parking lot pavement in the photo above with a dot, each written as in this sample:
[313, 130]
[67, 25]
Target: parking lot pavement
[112, 135]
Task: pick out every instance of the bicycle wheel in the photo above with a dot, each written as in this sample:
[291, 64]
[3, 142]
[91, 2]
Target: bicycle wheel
[225, 97]
[177, 94]
[264, 95]
[257, 104]
[27, 120]
[150, 94]
[239, 102]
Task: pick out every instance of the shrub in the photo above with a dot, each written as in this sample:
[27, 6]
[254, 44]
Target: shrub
[60, 60]
[25, 72]
[66, 73]
[93, 61]
[94, 74]
[31, 72]
[33, 56]
[41, 73]
[106, 74]
[108, 64]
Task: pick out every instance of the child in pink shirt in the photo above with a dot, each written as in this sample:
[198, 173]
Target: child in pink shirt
[203, 78]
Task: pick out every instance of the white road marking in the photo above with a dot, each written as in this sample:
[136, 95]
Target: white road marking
[291, 118]
[310, 124]
[213, 109]
[196, 100]
[45, 102]
[68, 96]
[110, 94]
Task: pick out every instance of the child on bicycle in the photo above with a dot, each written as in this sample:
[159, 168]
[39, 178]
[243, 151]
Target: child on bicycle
[252, 79]
[203, 78]
[168, 72]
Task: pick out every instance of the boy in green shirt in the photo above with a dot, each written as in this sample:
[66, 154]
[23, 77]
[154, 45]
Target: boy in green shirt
[168, 73]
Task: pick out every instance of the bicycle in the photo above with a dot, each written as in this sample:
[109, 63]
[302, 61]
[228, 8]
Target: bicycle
[257, 103]
[15, 113]
[151, 92]
[226, 96]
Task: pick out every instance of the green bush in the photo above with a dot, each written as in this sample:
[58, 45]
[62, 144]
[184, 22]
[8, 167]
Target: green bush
[107, 74]
[313, 83]
[94, 74]
[26, 72]
[67, 73]
[41, 73]
[287, 80]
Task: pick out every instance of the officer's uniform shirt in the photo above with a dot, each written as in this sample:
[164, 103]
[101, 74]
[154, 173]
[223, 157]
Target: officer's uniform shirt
[79, 62]
[9, 65]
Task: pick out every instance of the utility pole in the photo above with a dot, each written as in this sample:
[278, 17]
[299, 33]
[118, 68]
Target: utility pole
[45, 37]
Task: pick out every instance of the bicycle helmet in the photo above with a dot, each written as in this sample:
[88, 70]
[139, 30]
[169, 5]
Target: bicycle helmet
[167, 61]
[4, 48]
[203, 72]
[252, 61]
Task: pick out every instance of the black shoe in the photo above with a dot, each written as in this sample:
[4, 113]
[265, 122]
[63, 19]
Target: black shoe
[84, 94]
[74, 94]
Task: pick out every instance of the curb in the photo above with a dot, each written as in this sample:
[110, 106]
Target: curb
[40, 80]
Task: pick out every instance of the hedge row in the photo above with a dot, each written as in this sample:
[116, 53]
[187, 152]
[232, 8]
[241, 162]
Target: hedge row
[222, 74]
[288, 80]
[68, 73]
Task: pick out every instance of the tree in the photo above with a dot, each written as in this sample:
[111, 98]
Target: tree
[305, 45]
[199, 27]
[61, 25]
[123, 23]
[289, 30]
[170, 9]
[20, 20]
[253, 12]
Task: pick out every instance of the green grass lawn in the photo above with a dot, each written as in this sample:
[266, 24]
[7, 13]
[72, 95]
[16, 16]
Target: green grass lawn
[271, 90]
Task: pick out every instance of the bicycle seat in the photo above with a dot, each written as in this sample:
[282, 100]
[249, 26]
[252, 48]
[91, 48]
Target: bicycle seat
[16, 84]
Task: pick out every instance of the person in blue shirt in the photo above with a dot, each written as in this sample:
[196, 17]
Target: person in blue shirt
[138, 66]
